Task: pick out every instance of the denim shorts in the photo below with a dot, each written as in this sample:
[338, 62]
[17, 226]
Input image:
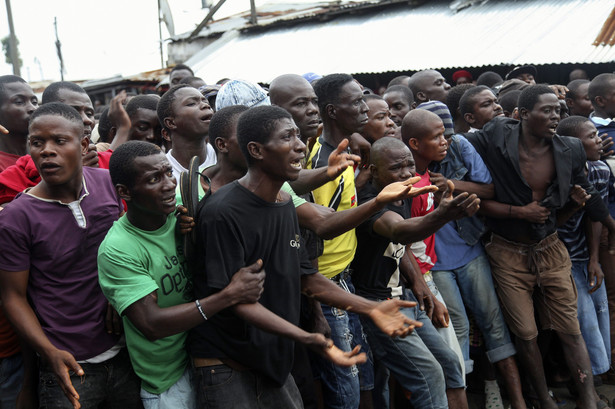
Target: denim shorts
[471, 286]
[179, 396]
[342, 386]
[593, 312]
[422, 362]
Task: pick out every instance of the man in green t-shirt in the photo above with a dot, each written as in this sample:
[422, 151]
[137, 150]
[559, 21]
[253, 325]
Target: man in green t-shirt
[143, 273]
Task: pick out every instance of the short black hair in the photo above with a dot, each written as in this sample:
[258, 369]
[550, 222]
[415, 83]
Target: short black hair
[405, 91]
[147, 101]
[369, 97]
[164, 108]
[59, 109]
[51, 92]
[8, 79]
[573, 87]
[454, 97]
[489, 79]
[599, 86]
[256, 125]
[104, 126]
[529, 96]
[222, 122]
[399, 80]
[328, 88]
[121, 164]
[466, 103]
[509, 101]
[182, 67]
[190, 80]
[570, 126]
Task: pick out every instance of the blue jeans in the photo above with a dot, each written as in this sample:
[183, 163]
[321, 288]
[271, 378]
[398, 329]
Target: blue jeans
[422, 362]
[221, 387]
[11, 377]
[593, 310]
[471, 286]
[110, 384]
[179, 396]
[342, 386]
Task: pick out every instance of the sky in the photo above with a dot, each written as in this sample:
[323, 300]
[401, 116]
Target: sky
[100, 39]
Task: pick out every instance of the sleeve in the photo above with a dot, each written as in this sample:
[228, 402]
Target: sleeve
[104, 158]
[297, 201]
[595, 206]
[224, 251]
[304, 261]
[123, 277]
[479, 141]
[14, 242]
[477, 169]
[366, 194]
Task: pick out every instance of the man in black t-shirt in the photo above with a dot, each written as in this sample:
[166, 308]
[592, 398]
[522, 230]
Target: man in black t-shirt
[248, 348]
[421, 362]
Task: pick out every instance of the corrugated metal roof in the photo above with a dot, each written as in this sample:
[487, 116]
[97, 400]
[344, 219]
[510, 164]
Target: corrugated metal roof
[405, 38]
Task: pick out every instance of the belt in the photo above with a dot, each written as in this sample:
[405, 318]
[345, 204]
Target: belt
[343, 275]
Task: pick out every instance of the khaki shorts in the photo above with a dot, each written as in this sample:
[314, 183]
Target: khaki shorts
[518, 269]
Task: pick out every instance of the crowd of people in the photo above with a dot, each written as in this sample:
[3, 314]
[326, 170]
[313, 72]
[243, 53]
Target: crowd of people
[311, 244]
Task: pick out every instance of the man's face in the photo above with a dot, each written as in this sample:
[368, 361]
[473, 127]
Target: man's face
[592, 143]
[463, 80]
[192, 112]
[18, 103]
[230, 148]
[82, 103]
[283, 151]
[485, 108]
[580, 104]
[607, 100]
[299, 99]
[527, 77]
[543, 118]
[380, 123]
[433, 145]
[57, 146]
[435, 86]
[145, 126]
[398, 106]
[351, 109]
[395, 166]
[153, 191]
[177, 76]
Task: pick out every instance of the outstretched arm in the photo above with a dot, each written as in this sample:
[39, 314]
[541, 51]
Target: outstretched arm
[339, 160]
[259, 316]
[393, 226]
[386, 315]
[328, 224]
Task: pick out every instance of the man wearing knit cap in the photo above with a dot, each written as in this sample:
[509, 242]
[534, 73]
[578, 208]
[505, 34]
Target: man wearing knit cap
[462, 77]
[240, 92]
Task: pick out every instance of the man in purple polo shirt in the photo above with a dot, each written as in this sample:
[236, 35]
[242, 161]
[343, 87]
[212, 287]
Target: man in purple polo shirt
[50, 236]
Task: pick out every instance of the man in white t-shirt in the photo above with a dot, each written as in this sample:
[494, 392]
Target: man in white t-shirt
[184, 113]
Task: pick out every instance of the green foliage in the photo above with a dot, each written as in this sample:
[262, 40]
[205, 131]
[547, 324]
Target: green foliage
[6, 49]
